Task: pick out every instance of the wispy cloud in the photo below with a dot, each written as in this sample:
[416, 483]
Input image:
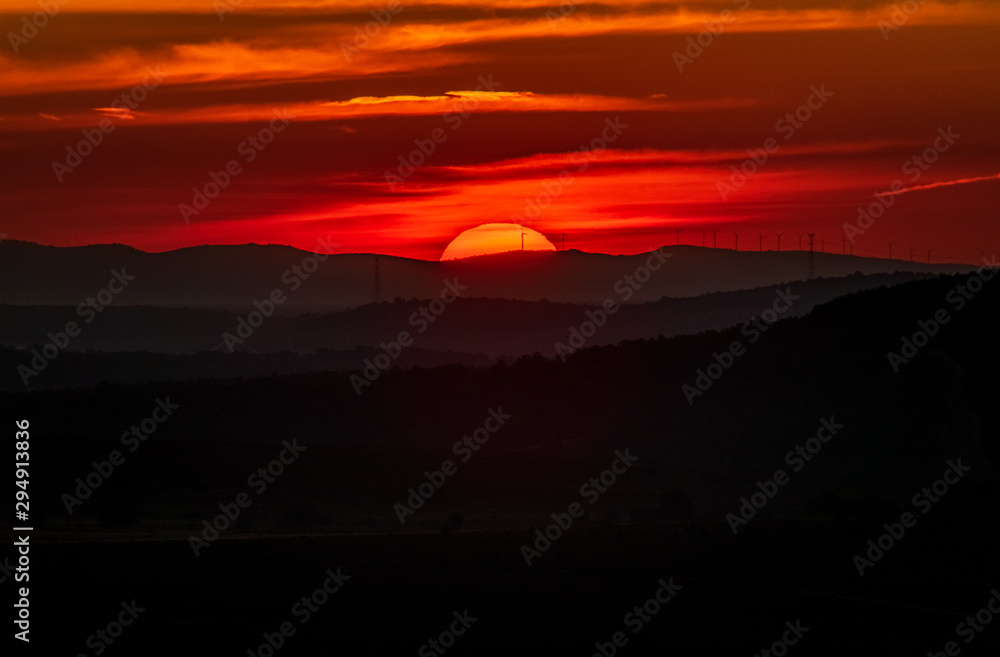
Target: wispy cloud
[945, 183]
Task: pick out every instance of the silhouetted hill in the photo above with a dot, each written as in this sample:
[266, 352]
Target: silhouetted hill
[76, 369]
[493, 327]
[899, 429]
[664, 516]
[233, 277]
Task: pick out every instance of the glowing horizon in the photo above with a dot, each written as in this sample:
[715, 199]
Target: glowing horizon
[488, 239]
[609, 123]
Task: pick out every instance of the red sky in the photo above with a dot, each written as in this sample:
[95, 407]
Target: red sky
[535, 92]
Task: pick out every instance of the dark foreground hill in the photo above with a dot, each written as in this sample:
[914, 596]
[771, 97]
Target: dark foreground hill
[929, 423]
[733, 422]
[489, 328]
[234, 277]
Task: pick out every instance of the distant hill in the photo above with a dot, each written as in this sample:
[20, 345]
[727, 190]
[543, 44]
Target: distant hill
[233, 277]
[899, 428]
[492, 327]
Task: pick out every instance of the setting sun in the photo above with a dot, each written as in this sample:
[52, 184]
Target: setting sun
[496, 238]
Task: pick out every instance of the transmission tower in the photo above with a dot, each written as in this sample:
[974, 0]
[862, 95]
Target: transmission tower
[812, 258]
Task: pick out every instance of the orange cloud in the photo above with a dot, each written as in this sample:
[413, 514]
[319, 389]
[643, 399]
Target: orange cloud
[946, 183]
[451, 102]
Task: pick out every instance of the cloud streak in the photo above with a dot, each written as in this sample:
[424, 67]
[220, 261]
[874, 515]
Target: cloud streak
[937, 185]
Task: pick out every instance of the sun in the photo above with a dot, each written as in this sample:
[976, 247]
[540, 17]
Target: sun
[495, 238]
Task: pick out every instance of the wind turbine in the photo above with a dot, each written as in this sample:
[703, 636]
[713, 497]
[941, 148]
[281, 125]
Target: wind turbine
[890, 250]
[760, 241]
[800, 240]
[779, 241]
[737, 247]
